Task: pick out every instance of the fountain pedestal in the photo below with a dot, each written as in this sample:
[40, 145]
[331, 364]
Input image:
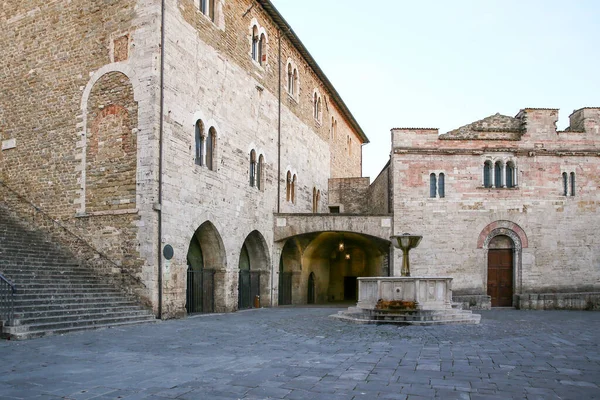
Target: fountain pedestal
[406, 301]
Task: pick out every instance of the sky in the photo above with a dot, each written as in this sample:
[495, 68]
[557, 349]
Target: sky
[444, 64]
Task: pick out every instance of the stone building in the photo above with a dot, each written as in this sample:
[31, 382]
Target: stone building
[198, 150]
[201, 128]
[508, 207]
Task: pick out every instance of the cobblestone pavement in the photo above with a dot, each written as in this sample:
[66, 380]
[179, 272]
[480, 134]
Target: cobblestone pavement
[300, 353]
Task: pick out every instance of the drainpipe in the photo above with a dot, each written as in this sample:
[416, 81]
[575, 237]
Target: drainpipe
[278, 149]
[279, 127]
[158, 207]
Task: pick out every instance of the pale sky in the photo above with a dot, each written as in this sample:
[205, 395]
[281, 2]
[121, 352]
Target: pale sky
[446, 63]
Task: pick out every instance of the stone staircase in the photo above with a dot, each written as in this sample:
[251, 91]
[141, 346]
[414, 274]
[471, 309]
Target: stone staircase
[55, 294]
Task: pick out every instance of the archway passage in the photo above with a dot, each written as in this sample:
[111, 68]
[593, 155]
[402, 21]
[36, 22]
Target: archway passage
[500, 271]
[204, 258]
[253, 272]
[323, 267]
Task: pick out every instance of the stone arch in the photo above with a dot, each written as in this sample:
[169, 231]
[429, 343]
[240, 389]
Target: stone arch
[207, 262]
[501, 224]
[110, 151]
[519, 240]
[119, 67]
[254, 278]
[290, 273]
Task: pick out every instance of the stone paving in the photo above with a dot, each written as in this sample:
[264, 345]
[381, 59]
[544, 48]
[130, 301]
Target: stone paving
[300, 353]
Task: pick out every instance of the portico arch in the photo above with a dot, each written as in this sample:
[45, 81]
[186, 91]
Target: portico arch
[254, 271]
[206, 261]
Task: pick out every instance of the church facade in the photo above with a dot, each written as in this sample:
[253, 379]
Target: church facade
[508, 207]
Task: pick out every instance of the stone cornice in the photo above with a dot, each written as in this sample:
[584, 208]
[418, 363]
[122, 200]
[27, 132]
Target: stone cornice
[518, 152]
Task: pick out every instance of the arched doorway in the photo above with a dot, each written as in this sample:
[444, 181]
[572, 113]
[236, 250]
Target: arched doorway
[500, 271]
[204, 258]
[290, 270]
[310, 297]
[253, 282]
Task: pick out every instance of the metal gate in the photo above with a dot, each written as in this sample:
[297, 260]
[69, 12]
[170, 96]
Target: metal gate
[248, 289]
[200, 295]
[285, 288]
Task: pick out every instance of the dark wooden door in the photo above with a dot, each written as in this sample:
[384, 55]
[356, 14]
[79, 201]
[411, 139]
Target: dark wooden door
[500, 277]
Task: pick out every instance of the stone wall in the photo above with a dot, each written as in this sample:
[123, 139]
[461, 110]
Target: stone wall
[352, 194]
[211, 77]
[77, 122]
[558, 249]
[380, 193]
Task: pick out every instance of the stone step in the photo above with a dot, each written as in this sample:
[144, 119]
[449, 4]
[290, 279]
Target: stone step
[37, 312]
[26, 286]
[21, 302]
[36, 331]
[61, 306]
[22, 276]
[49, 291]
[87, 316]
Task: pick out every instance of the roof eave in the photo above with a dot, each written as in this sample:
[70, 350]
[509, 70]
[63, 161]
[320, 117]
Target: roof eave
[287, 30]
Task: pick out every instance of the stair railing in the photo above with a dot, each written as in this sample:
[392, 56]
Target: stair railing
[38, 211]
[7, 300]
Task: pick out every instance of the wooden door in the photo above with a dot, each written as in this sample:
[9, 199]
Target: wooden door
[500, 277]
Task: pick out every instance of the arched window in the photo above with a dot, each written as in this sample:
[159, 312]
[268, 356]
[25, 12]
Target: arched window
[294, 189]
[510, 175]
[260, 172]
[333, 128]
[255, 43]
[207, 7]
[319, 109]
[199, 143]
[262, 49]
[295, 82]
[441, 183]
[487, 174]
[572, 183]
[318, 200]
[288, 187]
[432, 185]
[498, 174]
[315, 106]
[314, 205]
[211, 140]
[290, 79]
[252, 168]
[565, 178]
[349, 146]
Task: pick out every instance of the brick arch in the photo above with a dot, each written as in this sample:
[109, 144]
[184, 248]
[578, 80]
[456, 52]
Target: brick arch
[120, 68]
[110, 145]
[501, 227]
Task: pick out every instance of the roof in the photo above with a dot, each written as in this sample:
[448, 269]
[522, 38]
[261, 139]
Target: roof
[287, 30]
[495, 126]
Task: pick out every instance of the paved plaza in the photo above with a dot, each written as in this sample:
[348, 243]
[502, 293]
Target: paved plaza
[300, 353]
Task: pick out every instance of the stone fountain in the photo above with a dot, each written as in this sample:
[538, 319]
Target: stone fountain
[406, 300]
